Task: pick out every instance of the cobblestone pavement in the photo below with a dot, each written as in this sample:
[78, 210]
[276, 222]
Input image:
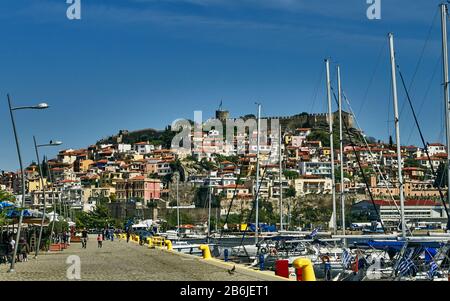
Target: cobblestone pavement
[119, 260]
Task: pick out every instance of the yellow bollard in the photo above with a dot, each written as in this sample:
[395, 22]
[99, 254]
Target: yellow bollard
[168, 244]
[205, 251]
[307, 268]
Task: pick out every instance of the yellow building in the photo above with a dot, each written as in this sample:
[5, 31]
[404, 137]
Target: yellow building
[35, 184]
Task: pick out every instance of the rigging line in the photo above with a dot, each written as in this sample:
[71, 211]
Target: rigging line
[389, 112]
[419, 62]
[423, 141]
[316, 92]
[253, 208]
[380, 55]
[232, 199]
[443, 117]
[425, 96]
[371, 153]
[363, 174]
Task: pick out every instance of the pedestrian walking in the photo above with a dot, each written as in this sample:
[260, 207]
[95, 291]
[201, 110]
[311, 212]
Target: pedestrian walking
[24, 249]
[99, 241]
[64, 237]
[84, 238]
[11, 246]
[128, 235]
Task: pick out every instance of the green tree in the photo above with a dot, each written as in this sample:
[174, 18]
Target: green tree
[412, 163]
[290, 174]
[441, 176]
[291, 192]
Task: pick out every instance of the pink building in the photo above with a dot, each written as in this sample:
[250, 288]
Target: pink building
[138, 187]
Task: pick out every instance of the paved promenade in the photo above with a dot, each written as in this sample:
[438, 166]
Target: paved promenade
[119, 260]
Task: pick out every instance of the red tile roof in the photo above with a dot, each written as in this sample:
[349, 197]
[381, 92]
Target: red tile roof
[408, 203]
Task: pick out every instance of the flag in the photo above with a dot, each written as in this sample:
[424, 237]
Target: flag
[433, 269]
[406, 266]
[314, 232]
[346, 258]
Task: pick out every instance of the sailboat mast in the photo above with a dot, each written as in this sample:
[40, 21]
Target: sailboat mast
[330, 121]
[209, 209]
[178, 211]
[341, 149]
[280, 158]
[257, 173]
[444, 13]
[397, 133]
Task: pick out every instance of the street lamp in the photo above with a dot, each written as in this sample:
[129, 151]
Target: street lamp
[11, 109]
[36, 146]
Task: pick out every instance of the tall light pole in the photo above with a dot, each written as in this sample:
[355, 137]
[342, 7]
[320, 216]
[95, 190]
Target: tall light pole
[53, 197]
[36, 146]
[40, 106]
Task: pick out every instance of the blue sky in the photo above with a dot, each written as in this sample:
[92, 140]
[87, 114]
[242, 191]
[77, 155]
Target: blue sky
[131, 64]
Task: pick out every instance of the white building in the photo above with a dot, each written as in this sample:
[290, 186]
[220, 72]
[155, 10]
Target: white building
[123, 148]
[436, 148]
[313, 186]
[315, 168]
[143, 148]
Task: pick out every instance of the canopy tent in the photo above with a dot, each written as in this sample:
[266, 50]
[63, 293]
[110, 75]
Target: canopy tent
[6, 205]
[53, 215]
[16, 213]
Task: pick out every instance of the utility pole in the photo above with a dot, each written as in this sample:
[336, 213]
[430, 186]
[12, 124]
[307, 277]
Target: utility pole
[330, 121]
[397, 133]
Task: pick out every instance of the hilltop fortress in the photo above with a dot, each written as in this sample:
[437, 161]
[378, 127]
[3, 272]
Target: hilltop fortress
[303, 120]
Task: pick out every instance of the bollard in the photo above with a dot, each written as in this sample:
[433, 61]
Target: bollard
[307, 268]
[299, 274]
[261, 262]
[225, 255]
[205, 251]
[282, 268]
[168, 244]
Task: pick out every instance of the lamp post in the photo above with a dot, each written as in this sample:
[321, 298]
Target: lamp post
[36, 146]
[53, 198]
[40, 106]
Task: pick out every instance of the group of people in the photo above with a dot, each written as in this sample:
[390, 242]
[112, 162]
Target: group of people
[8, 244]
[63, 237]
[105, 234]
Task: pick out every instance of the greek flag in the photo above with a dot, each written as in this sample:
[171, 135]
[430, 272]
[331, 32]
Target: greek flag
[406, 266]
[346, 258]
[433, 269]
[314, 232]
